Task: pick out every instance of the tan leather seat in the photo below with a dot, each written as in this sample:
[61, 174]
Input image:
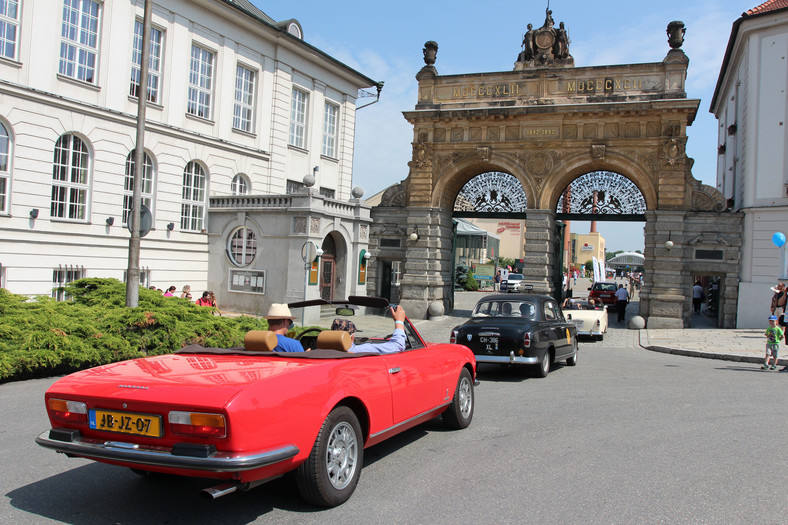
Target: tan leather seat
[334, 340]
[260, 341]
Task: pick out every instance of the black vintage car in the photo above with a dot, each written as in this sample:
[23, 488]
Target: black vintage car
[519, 329]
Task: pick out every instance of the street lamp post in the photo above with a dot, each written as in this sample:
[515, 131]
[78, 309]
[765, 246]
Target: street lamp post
[133, 270]
[308, 253]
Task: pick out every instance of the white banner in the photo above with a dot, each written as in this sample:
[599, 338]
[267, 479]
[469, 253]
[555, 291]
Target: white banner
[595, 262]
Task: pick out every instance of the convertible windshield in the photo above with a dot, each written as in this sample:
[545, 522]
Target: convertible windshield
[503, 308]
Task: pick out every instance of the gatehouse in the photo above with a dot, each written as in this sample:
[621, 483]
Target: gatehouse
[577, 143]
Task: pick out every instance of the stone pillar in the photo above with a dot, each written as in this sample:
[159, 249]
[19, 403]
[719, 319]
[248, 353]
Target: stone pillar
[539, 250]
[427, 272]
[663, 300]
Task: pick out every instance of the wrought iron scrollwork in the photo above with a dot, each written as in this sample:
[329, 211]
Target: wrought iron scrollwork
[602, 192]
[492, 192]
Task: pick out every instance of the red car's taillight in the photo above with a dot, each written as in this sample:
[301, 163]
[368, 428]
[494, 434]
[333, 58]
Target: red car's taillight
[453, 338]
[197, 424]
[527, 340]
[69, 412]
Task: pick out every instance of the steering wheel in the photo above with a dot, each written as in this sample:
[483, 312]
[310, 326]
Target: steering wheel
[308, 338]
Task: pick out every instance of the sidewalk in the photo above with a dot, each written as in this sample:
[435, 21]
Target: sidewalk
[743, 345]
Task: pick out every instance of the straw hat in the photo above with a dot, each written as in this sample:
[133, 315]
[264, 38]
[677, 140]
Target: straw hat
[279, 311]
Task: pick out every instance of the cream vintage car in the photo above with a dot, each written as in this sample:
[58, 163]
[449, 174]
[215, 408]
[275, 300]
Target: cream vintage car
[590, 319]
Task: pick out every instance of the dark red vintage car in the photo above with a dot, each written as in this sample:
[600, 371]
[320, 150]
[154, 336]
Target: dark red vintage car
[247, 415]
[604, 293]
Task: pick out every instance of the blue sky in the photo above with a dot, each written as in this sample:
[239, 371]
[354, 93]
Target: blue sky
[383, 40]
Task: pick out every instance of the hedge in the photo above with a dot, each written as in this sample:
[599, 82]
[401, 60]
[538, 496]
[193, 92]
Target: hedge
[42, 337]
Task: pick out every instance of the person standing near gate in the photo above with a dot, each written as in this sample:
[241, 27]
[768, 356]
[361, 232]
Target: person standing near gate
[697, 297]
[622, 298]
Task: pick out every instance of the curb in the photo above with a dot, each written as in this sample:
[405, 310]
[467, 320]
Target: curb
[710, 355]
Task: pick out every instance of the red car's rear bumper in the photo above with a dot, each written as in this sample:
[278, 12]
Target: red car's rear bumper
[70, 442]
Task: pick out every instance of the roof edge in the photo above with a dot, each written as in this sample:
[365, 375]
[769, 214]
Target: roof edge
[298, 41]
[729, 49]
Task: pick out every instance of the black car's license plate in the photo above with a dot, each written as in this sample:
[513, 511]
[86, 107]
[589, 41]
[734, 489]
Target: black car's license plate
[489, 343]
[126, 422]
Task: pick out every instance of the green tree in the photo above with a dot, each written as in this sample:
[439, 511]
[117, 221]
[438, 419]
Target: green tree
[471, 284]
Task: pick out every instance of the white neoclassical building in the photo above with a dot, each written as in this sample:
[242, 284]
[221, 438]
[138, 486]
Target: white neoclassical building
[751, 104]
[240, 110]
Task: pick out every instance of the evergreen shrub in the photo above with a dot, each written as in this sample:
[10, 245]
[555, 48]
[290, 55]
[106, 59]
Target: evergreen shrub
[42, 337]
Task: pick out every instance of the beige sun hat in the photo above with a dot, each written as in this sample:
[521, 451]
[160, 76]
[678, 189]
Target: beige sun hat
[279, 311]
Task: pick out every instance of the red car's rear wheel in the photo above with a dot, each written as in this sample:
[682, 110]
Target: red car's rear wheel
[330, 474]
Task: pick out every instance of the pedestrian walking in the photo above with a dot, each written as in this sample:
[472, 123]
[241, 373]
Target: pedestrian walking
[622, 298]
[778, 299]
[774, 334]
[782, 322]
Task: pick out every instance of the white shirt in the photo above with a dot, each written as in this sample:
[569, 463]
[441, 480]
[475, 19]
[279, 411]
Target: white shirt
[622, 294]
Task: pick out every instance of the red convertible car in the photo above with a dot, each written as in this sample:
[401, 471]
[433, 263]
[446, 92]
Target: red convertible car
[247, 415]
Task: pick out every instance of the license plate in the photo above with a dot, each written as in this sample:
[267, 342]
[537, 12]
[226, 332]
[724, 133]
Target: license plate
[126, 422]
[490, 343]
[579, 324]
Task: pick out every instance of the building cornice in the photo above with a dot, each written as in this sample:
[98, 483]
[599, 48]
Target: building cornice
[751, 14]
[297, 45]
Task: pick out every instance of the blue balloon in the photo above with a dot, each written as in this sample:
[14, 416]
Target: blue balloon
[778, 239]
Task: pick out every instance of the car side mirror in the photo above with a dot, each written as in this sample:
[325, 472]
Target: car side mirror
[589, 289]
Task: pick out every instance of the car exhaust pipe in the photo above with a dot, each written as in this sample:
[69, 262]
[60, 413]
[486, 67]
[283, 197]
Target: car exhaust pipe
[229, 487]
[218, 491]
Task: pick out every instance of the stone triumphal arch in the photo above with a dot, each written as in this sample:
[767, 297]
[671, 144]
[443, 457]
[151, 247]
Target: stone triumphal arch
[547, 123]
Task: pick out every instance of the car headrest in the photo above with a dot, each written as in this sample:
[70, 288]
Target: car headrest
[334, 340]
[260, 341]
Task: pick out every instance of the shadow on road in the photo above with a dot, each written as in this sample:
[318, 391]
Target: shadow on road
[97, 494]
[510, 374]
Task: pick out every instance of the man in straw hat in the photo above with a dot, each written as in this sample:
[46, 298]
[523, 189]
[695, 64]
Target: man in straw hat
[395, 344]
[279, 321]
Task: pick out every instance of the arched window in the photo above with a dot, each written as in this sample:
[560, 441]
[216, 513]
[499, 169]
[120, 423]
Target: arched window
[128, 185]
[193, 202]
[5, 168]
[240, 185]
[242, 246]
[70, 179]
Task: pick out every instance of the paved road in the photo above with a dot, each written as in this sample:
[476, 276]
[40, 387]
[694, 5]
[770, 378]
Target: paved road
[627, 436]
